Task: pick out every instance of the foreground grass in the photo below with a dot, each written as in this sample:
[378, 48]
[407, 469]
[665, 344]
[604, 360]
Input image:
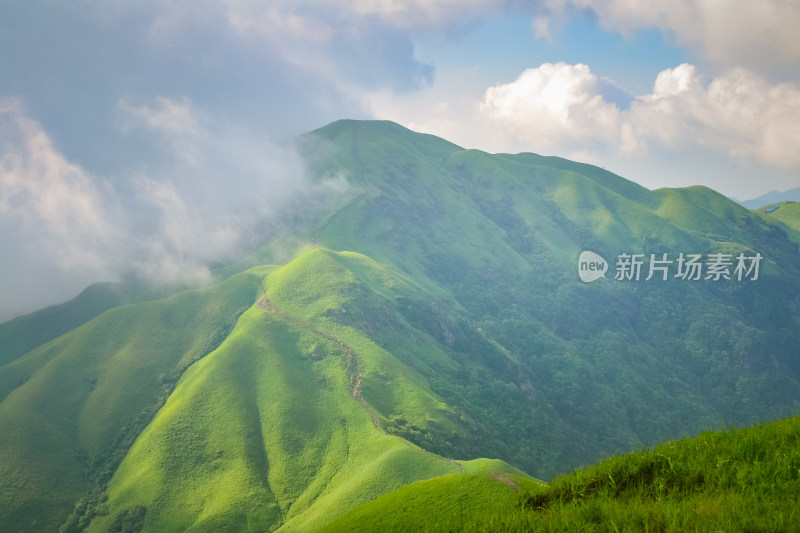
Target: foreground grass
[446, 503]
[741, 480]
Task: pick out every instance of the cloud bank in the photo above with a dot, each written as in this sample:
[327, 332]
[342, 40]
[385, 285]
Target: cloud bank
[561, 108]
[215, 192]
[738, 113]
[759, 36]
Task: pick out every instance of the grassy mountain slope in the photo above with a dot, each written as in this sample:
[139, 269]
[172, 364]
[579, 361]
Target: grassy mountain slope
[445, 503]
[71, 407]
[277, 426]
[786, 212]
[740, 480]
[436, 314]
[23, 334]
[495, 238]
[745, 480]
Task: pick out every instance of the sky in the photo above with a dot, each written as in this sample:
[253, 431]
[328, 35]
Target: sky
[143, 139]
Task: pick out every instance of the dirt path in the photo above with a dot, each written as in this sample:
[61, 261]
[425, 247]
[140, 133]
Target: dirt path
[350, 363]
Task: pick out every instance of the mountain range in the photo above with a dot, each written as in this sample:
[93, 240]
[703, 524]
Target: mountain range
[772, 197]
[430, 323]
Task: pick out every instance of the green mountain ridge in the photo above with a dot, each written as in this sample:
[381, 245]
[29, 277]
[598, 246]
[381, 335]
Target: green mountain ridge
[433, 319]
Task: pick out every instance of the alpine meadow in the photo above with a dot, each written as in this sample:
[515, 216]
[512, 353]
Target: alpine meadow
[428, 359]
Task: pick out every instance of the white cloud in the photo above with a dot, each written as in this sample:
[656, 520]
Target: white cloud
[165, 115]
[737, 119]
[175, 122]
[56, 220]
[738, 113]
[552, 104]
[50, 196]
[541, 28]
[216, 192]
[219, 187]
[559, 107]
[760, 35]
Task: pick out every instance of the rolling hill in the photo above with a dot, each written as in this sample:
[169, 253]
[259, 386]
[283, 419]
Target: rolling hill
[433, 319]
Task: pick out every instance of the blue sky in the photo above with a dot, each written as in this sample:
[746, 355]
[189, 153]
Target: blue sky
[505, 44]
[141, 138]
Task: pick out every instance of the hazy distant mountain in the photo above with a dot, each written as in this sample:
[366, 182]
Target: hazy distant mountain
[772, 197]
[434, 318]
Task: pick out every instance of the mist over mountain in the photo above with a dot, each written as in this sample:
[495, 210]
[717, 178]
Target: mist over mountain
[429, 317]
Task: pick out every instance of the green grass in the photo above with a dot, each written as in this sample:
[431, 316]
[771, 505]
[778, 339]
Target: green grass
[262, 432]
[787, 212]
[340, 295]
[738, 480]
[446, 503]
[23, 334]
[451, 318]
[76, 403]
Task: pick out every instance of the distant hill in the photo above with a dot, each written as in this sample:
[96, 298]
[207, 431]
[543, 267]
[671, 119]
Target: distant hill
[772, 197]
[430, 325]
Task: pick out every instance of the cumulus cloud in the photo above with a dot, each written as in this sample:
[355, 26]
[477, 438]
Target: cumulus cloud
[551, 104]
[760, 36]
[687, 130]
[738, 113]
[566, 107]
[215, 192]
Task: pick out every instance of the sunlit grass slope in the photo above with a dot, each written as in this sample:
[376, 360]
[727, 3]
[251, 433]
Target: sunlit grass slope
[70, 408]
[487, 491]
[739, 480]
[786, 212]
[282, 424]
[353, 299]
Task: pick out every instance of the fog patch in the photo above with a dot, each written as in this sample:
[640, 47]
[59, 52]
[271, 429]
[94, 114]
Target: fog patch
[209, 192]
